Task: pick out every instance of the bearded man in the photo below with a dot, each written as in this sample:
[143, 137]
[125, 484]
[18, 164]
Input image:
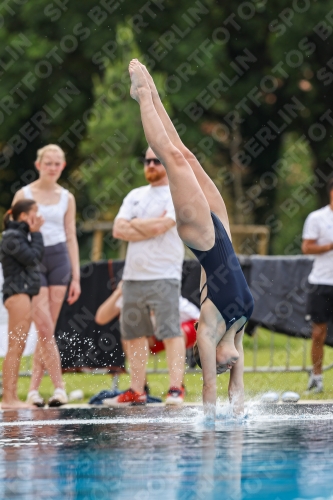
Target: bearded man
[151, 281]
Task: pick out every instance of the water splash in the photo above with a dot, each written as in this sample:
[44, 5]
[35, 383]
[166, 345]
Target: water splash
[193, 415]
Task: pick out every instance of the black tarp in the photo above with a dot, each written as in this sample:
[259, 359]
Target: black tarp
[278, 284]
[84, 344]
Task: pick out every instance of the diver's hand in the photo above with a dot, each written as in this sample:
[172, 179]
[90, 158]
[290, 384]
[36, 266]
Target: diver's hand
[236, 398]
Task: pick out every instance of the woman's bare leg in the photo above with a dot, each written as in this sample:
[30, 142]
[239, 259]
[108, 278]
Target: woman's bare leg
[56, 299]
[194, 222]
[57, 296]
[44, 324]
[208, 187]
[37, 368]
[19, 320]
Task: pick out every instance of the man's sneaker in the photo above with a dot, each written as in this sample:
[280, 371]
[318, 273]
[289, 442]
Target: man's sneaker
[311, 383]
[315, 383]
[34, 398]
[59, 398]
[175, 396]
[320, 386]
[127, 398]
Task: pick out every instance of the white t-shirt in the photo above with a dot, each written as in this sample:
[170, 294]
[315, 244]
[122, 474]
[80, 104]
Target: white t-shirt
[187, 310]
[156, 258]
[319, 226]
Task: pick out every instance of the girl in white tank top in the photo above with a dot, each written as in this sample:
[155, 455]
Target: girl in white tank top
[53, 230]
[59, 267]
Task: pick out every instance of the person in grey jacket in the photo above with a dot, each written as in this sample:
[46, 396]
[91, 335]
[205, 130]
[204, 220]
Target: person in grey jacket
[21, 250]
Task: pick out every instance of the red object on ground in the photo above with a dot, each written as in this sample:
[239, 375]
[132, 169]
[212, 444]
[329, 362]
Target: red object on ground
[175, 395]
[132, 397]
[190, 336]
[190, 332]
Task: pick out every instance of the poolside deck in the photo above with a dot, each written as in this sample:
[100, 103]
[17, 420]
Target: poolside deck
[301, 404]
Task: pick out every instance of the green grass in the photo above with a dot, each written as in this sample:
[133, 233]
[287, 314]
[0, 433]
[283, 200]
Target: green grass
[255, 383]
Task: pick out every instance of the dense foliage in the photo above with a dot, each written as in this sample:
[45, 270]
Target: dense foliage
[243, 80]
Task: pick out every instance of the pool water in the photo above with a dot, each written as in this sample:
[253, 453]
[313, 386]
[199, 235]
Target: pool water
[276, 453]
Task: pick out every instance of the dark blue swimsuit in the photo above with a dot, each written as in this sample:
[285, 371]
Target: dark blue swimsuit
[226, 284]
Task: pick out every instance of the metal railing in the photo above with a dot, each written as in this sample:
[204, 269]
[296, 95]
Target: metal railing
[253, 367]
[287, 367]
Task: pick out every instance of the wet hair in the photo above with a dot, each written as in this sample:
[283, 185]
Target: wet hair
[21, 206]
[196, 355]
[50, 147]
[329, 185]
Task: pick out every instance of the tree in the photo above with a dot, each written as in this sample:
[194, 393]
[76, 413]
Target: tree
[49, 54]
[238, 76]
[115, 144]
[245, 69]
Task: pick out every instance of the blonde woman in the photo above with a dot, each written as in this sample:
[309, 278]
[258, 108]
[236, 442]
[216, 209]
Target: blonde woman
[60, 267]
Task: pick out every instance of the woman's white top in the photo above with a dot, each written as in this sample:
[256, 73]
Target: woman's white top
[53, 229]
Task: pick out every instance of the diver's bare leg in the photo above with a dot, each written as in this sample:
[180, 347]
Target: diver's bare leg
[194, 223]
[208, 187]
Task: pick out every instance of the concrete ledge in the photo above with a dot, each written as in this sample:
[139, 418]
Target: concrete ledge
[199, 403]
[80, 406]
[80, 415]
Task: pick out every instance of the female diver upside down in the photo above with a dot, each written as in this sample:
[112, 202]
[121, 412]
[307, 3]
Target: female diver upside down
[203, 225]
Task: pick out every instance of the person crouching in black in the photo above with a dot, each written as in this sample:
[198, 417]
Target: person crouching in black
[21, 250]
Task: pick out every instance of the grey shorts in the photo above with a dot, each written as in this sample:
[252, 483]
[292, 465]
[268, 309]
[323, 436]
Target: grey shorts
[140, 299]
[55, 268]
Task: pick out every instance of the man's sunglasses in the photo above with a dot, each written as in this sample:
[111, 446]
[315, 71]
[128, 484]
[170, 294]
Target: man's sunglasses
[156, 162]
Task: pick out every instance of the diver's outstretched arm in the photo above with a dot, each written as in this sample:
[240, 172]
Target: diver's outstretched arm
[236, 382]
[207, 349]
